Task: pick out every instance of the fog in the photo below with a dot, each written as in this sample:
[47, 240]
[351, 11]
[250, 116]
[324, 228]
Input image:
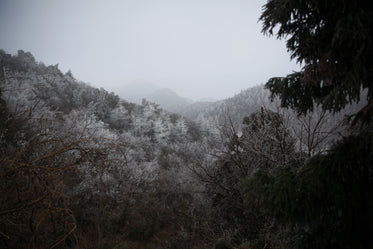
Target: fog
[198, 48]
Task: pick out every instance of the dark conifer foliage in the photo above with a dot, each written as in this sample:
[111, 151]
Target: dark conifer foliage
[333, 41]
[326, 201]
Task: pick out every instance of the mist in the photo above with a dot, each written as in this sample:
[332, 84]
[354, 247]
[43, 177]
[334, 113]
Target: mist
[199, 49]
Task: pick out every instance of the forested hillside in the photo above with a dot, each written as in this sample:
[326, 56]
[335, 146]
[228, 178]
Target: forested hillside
[82, 168]
[314, 131]
[213, 114]
[80, 165]
[284, 165]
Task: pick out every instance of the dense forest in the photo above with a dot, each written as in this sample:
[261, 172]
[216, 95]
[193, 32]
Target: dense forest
[287, 164]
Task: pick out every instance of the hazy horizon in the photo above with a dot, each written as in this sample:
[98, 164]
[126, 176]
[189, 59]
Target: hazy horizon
[199, 49]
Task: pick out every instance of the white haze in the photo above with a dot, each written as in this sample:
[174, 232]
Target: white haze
[198, 48]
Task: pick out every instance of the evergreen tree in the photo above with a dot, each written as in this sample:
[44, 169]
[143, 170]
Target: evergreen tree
[328, 201]
[333, 41]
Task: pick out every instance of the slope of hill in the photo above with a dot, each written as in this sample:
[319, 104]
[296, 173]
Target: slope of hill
[85, 155]
[218, 113]
[315, 131]
[81, 167]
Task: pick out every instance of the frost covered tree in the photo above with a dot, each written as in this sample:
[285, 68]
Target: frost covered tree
[265, 144]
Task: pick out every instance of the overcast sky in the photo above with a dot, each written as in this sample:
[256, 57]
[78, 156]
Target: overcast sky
[199, 48]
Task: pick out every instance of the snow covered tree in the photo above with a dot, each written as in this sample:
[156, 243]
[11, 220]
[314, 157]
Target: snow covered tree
[265, 144]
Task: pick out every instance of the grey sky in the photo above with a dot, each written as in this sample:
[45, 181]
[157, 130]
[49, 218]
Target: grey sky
[199, 48]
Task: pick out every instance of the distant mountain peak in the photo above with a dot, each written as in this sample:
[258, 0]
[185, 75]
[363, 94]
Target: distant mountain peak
[137, 90]
[167, 98]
